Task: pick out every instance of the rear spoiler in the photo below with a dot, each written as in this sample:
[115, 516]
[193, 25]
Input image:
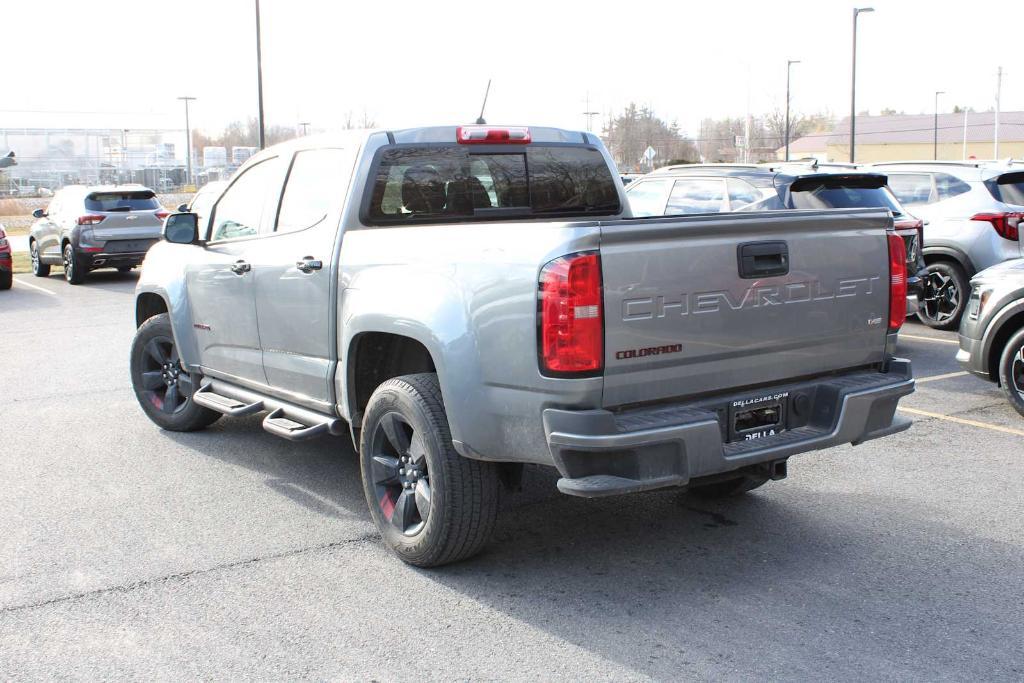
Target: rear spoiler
[865, 181]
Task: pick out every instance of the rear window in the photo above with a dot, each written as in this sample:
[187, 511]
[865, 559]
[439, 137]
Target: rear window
[1008, 187]
[442, 183]
[843, 193]
[142, 200]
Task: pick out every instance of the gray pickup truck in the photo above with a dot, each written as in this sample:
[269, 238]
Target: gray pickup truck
[464, 300]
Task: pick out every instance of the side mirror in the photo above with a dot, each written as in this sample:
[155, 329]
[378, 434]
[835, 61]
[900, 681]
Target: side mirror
[182, 208]
[38, 213]
[182, 228]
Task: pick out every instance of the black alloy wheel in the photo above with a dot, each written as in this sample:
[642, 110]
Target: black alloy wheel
[401, 479]
[165, 384]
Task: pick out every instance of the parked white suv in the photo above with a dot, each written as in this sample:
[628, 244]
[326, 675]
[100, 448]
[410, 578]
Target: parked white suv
[972, 212]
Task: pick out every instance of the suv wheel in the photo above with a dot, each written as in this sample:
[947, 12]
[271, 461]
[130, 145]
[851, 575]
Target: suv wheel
[1011, 371]
[163, 387]
[945, 296]
[431, 505]
[74, 271]
[39, 269]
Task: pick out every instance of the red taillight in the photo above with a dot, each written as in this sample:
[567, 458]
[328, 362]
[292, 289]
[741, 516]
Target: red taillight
[571, 318]
[162, 214]
[90, 219]
[897, 282]
[485, 135]
[1006, 224]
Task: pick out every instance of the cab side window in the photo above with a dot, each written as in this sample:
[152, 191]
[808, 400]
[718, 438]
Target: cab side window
[241, 208]
[316, 184]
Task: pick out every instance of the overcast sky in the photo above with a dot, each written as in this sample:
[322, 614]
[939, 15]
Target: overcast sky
[120, 63]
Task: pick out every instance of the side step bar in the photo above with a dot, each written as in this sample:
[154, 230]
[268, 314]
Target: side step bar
[285, 419]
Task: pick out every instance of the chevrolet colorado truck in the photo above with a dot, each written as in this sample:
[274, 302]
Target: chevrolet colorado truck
[466, 300]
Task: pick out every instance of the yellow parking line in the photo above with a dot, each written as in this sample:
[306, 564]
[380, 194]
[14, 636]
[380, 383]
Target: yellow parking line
[960, 420]
[22, 283]
[929, 339]
[934, 378]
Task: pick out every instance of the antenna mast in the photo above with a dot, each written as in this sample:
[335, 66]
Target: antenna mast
[480, 119]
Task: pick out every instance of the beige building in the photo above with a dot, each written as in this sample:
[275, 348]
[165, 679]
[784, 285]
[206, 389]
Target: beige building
[903, 137]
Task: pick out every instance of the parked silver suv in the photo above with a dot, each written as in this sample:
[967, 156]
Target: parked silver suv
[972, 211]
[992, 332]
[85, 228]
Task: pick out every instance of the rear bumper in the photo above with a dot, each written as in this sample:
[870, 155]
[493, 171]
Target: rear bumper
[601, 453]
[116, 260]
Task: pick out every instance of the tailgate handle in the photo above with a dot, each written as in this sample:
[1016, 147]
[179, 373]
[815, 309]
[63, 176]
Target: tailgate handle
[762, 259]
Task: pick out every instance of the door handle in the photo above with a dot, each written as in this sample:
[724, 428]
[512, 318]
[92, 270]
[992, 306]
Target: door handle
[240, 267]
[762, 259]
[308, 264]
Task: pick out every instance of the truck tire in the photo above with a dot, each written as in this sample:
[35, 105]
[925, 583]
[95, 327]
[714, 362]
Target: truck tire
[946, 292]
[74, 271]
[431, 505]
[162, 386]
[1011, 371]
[727, 488]
[39, 269]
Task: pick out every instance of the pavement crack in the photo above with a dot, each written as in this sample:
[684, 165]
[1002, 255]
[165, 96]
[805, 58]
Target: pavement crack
[181, 576]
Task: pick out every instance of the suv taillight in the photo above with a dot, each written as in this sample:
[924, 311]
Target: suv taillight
[897, 282]
[162, 214]
[90, 219]
[1006, 224]
[571, 321]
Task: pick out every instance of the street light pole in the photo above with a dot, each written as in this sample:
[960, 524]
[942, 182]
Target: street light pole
[259, 76]
[789, 63]
[853, 81]
[188, 142]
[935, 143]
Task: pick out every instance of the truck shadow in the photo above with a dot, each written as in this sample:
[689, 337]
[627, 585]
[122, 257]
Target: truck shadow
[788, 581]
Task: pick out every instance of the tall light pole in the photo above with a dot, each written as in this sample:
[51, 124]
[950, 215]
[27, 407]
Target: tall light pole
[935, 138]
[853, 81]
[789, 63]
[188, 141]
[259, 75]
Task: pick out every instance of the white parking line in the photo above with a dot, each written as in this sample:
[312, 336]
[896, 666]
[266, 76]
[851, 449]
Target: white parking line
[934, 378]
[929, 339]
[960, 420]
[37, 287]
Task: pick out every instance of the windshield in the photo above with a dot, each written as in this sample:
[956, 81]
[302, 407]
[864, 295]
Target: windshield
[444, 183]
[142, 200]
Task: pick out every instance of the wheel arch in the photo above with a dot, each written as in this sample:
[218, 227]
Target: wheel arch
[148, 305]
[1009, 322]
[949, 255]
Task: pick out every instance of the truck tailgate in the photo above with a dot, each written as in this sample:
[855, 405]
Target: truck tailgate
[681, 320]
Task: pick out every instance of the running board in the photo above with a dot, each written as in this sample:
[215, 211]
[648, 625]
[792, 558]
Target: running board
[285, 419]
[277, 424]
[231, 407]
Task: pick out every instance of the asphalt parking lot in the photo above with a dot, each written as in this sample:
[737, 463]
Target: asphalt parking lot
[127, 552]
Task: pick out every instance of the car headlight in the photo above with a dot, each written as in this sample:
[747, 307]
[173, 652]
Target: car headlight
[976, 304]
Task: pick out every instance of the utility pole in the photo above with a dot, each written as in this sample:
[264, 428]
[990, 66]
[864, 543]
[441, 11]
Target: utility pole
[188, 142]
[589, 114]
[853, 82]
[789, 63]
[935, 143]
[305, 128]
[259, 77]
[999, 92]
